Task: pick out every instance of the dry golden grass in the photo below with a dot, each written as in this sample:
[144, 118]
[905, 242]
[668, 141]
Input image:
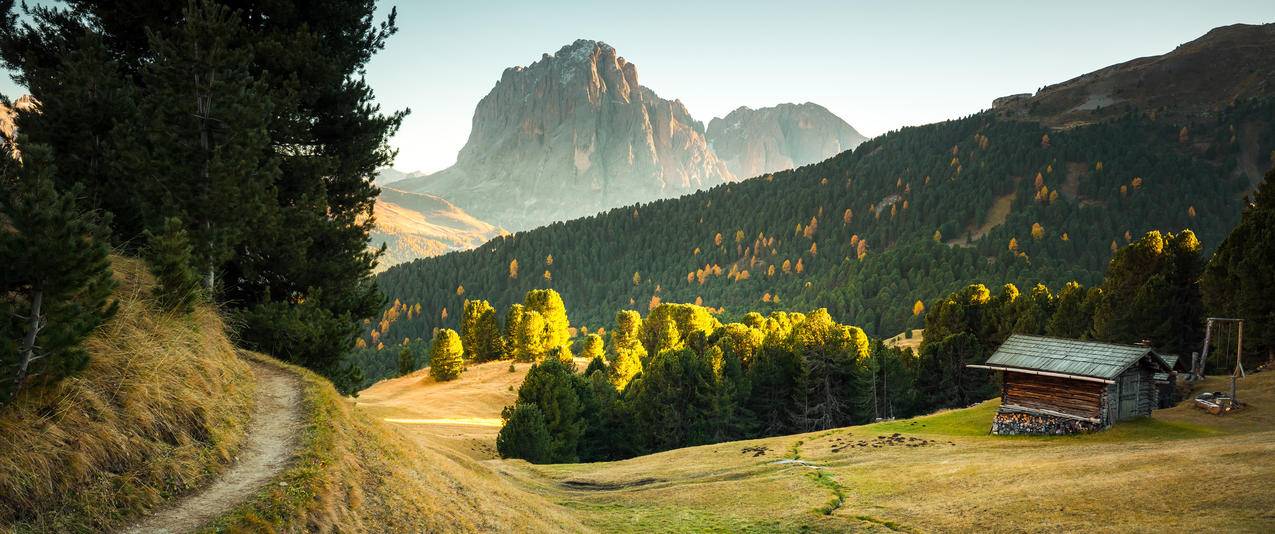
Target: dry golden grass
[463, 414]
[160, 409]
[1181, 470]
[901, 341]
[356, 474]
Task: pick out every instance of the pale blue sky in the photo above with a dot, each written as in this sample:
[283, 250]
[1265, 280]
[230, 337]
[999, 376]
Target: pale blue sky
[878, 65]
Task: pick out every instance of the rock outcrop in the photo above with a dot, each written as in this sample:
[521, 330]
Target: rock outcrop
[753, 142]
[571, 135]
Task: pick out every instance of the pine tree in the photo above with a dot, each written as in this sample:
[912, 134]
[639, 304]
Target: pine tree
[304, 270]
[446, 356]
[206, 134]
[548, 304]
[524, 434]
[529, 342]
[480, 332]
[592, 348]
[1151, 291]
[553, 388]
[1239, 277]
[169, 256]
[56, 279]
[1071, 318]
[406, 360]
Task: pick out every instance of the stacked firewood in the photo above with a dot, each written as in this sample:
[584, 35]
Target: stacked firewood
[1011, 424]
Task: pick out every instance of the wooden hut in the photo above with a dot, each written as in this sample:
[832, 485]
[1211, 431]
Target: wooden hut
[1166, 382]
[1063, 386]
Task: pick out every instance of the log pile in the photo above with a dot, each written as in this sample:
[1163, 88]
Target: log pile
[1020, 423]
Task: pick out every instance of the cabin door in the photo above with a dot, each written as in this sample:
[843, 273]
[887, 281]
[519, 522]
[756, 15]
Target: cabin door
[1129, 389]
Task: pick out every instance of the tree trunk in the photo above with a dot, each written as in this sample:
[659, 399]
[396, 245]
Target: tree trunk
[28, 343]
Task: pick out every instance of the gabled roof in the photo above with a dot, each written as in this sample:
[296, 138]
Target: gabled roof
[1175, 363]
[1069, 357]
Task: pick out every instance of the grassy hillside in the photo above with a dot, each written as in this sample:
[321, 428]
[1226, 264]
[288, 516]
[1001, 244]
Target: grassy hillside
[416, 225]
[160, 410]
[941, 472]
[1181, 468]
[356, 474]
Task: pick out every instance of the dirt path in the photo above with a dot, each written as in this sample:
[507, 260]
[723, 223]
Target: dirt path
[269, 445]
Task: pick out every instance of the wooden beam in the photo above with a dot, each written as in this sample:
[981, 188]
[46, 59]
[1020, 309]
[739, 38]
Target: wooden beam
[1042, 373]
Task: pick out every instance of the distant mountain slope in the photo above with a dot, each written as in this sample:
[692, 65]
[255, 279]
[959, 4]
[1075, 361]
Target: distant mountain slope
[753, 142]
[911, 215]
[415, 225]
[571, 135]
[1205, 75]
[388, 176]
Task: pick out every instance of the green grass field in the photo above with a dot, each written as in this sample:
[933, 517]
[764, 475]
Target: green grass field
[944, 472]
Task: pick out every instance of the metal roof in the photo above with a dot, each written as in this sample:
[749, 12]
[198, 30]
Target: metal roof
[1068, 356]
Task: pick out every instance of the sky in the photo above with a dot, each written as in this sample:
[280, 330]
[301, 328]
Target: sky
[878, 65]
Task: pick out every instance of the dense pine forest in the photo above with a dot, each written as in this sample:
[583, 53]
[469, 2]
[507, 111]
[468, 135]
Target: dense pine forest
[232, 147]
[680, 377]
[872, 234]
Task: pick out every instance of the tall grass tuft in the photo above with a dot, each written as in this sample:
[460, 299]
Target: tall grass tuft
[161, 408]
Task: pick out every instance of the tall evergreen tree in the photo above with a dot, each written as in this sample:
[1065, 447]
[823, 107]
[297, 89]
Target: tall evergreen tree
[56, 280]
[304, 272]
[446, 356]
[627, 352]
[480, 332]
[524, 434]
[548, 304]
[204, 134]
[1071, 318]
[1240, 278]
[553, 388]
[1151, 292]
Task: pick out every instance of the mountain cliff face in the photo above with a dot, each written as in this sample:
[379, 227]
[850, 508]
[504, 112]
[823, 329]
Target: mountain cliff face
[414, 225]
[571, 135]
[753, 142]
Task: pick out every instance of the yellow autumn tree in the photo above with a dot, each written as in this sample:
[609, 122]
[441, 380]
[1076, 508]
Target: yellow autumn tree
[918, 308]
[1038, 231]
[513, 268]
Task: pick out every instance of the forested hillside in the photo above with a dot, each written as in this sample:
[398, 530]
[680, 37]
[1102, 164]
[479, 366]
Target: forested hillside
[906, 217]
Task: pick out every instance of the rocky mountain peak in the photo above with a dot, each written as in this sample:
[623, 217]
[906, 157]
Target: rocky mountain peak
[753, 142]
[570, 135]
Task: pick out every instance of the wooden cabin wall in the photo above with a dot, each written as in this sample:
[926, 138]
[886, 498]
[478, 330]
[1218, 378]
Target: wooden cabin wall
[1148, 394]
[1075, 397]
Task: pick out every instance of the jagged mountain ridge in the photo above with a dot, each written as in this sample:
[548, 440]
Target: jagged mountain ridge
[575, 133]
[570, 135]
[753, 142]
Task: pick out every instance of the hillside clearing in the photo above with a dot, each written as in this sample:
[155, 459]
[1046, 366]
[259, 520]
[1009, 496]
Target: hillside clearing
[943, 472]
[463, 414]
